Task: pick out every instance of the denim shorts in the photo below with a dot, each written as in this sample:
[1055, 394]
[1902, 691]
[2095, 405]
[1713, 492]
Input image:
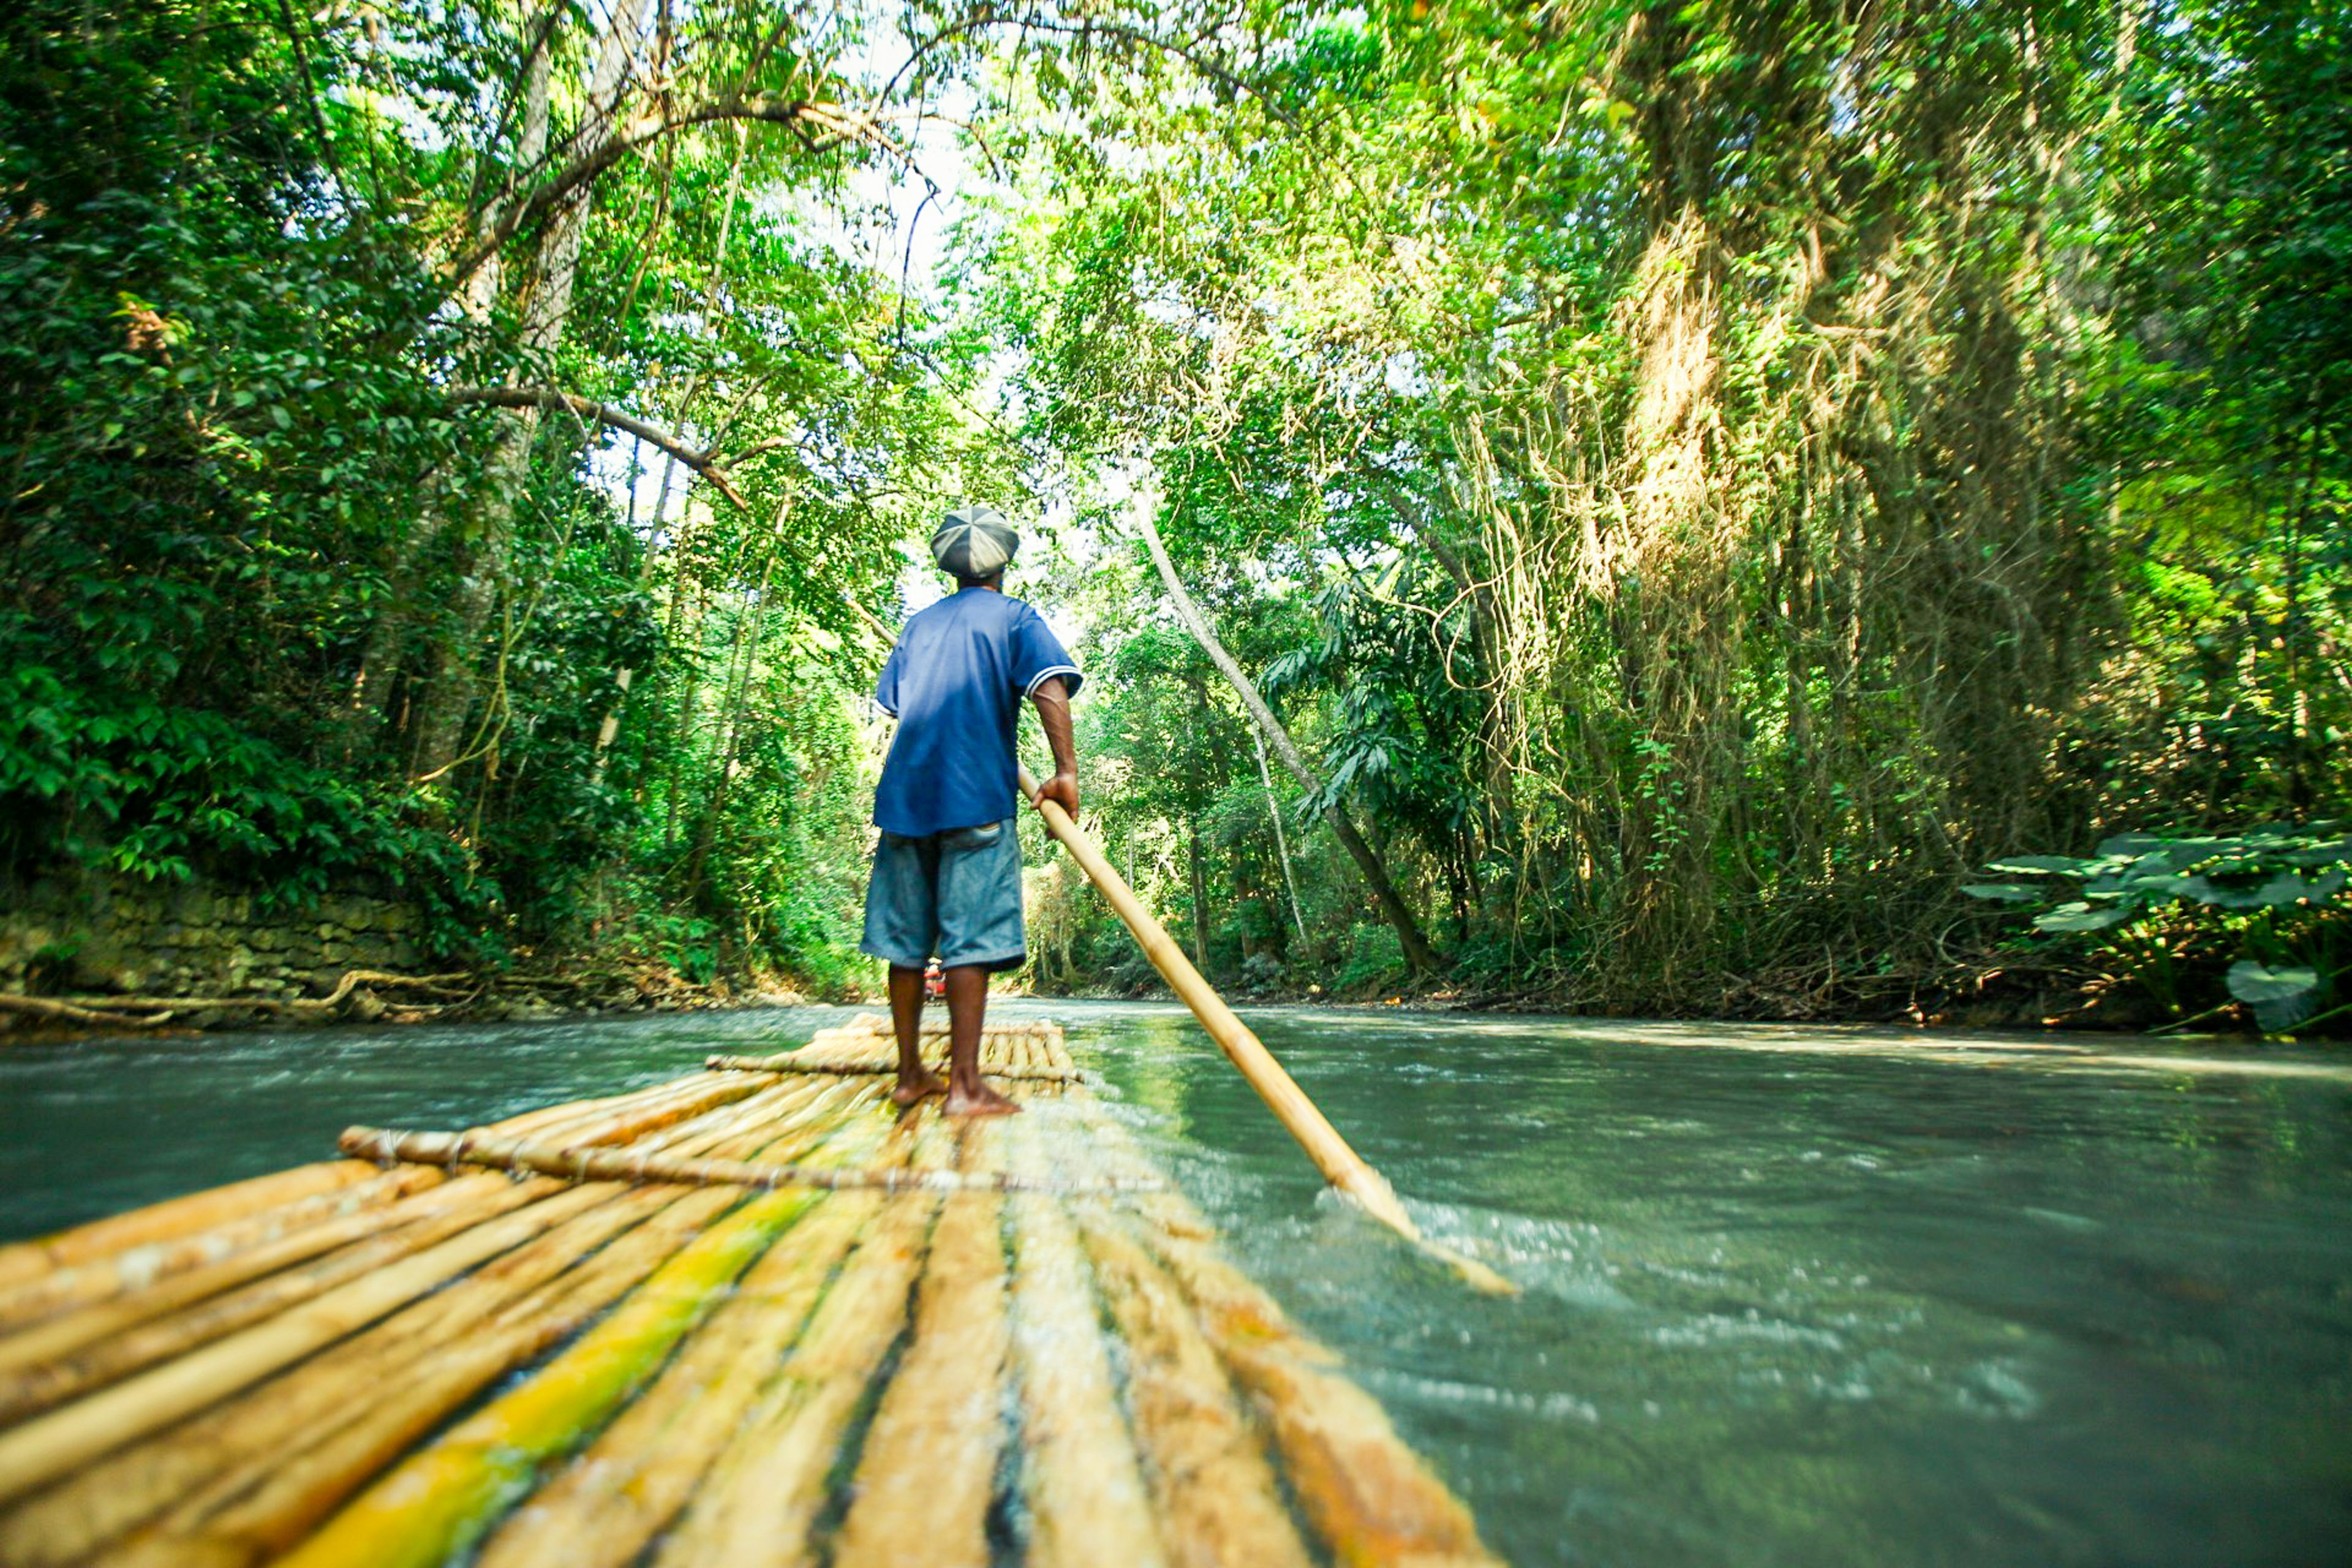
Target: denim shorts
[956, 894]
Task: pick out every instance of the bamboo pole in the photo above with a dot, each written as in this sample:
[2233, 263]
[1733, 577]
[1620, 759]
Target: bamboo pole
[154, 1265]
[97, 1261]
[1370, 1498]
[28, 1262]
[1216, 1495]
[1340, 1164]
[631, 1482]
[55, 1443]
[729, 1411]
[585, 1164]
[67, 1357]
[927, 1472]
[246, 1437]
[252, 1522]
[1080, 1476]
[264, 1508]
[765, 1487]
[443, 1496]
[859, 1066]
[414, 1365]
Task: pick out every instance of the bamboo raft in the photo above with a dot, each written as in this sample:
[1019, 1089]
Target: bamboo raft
[596, 1333]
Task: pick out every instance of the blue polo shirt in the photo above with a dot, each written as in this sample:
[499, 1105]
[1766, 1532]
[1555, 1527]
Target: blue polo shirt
[955, 683]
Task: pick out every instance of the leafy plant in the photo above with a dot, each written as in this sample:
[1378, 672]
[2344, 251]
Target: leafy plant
[2272, 898]
[1375, 961]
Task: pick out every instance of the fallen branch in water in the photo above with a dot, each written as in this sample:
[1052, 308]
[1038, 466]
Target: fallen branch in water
[73, 1012]
[152, 1012]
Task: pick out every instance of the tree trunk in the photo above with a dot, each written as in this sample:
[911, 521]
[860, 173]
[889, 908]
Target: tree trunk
[626, 677]
[457, 683]
[1200, 899]
[1281, 844]
[744, 659]
[682, 746]
[1417, 952]
[380, 661]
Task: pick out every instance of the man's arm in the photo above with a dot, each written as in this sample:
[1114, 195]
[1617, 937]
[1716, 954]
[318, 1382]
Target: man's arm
[1052, 701]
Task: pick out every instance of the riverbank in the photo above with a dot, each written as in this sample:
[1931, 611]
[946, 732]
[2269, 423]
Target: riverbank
[2035, 994]
[582, 990]
[546, 987]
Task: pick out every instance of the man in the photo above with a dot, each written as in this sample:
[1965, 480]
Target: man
[947, 872]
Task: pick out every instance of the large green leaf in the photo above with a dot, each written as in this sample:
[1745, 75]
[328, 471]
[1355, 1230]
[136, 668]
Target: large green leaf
[2133, 844]
[2280, 998]
[2043, 865]
[2081, 917]
[2223, 895]
[2251, 982]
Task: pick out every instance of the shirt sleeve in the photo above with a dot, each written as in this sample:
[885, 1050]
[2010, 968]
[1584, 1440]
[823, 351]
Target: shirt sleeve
[885, 690]
[1038, 656]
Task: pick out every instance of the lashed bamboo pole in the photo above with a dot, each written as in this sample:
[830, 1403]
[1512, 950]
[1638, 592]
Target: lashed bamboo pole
[27, 1261]
[863, 1024]
[244, 1439]
[1369, 1497]
[439, 1499]
[247, 1523]
[472, 1473]
[64, 1358]
[764, 1478]
[1081, 1478]
[110, 1337]
[97, 1261]
[253, 1246]
[239, 1491]
[62, 1441]
[1216, 1495]
[633, 1120]
[263, 1509]
[130, 1251]
[928, 1470]
[859, 1067]
[764, 1490]
[629, 1165]
[101, 1500]
[1340, 1164]
[568, 1117]
[150, 1267]
[631, 1481]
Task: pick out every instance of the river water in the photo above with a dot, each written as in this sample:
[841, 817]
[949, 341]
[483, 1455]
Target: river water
[1792, 1297]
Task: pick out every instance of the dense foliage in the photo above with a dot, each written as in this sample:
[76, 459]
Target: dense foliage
[1692, 484]
[300, 596]
[1716, 476]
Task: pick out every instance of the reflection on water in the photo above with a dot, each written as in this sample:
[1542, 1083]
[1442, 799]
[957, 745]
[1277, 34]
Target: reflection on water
[1983, 1303]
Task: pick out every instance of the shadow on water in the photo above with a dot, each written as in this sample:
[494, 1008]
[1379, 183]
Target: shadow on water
[1824, 1299]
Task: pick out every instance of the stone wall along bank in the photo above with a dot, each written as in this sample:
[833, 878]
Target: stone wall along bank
[95, 934]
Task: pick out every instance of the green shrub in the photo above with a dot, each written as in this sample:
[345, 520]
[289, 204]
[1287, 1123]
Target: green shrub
[2258, 917]
[1375, 961]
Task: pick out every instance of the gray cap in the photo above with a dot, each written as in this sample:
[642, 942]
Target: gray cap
[974, 542]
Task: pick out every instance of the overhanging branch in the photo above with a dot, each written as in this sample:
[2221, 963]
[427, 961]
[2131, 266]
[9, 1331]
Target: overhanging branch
[819, 125]
[553, 399]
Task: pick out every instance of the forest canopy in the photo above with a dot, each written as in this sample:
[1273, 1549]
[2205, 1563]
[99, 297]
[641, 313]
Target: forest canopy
[1796, 509]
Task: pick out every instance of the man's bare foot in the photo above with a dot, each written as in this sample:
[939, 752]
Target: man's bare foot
[979, 1101]
[909, 1092]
